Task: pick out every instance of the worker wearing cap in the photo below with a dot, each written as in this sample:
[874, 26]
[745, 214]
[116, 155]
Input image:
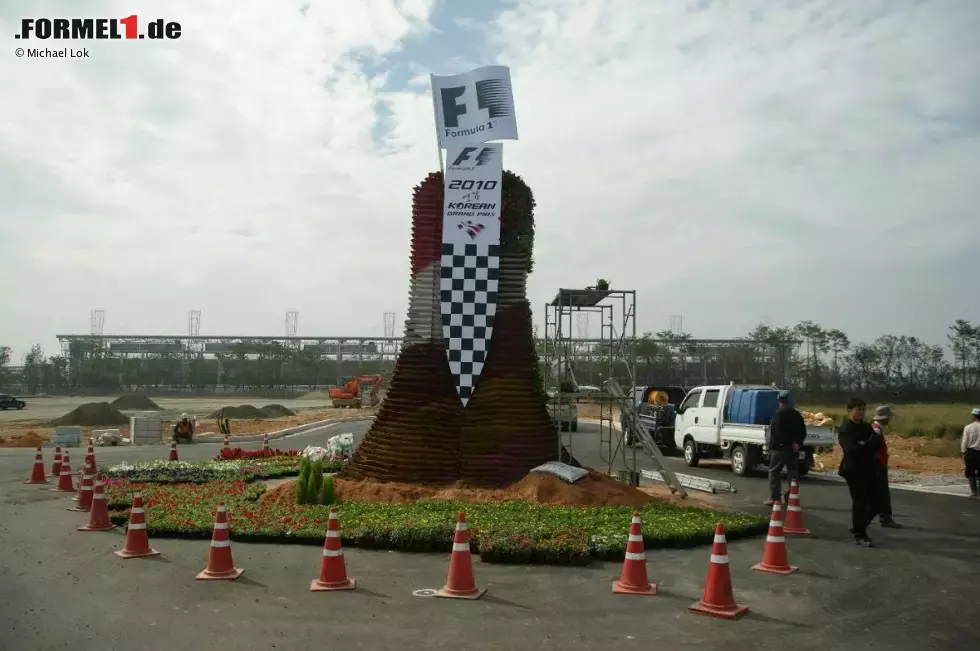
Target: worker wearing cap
[184, 428]
[883, 416]
[787, 432]
[970, 447]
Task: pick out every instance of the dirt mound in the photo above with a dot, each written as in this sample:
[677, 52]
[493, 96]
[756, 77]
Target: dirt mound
[276, 411]
[92, 413]
[595, 489]
[29, 440]
[134, 402]
[241, 411]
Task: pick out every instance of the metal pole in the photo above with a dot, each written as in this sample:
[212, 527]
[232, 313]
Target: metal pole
[435, 119]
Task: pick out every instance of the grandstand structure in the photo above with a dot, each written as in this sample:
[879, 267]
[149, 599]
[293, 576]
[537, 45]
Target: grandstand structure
[266, 362]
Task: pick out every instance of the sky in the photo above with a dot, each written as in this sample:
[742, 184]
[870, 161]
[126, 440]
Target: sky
[731, 162]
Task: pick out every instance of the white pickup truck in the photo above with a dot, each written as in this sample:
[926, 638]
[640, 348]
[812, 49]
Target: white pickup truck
[702, 430]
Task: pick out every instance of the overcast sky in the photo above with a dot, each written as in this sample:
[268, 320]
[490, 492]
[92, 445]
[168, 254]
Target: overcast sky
[730, 161]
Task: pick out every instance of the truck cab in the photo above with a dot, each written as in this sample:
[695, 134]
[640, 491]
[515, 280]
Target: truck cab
[732, 423]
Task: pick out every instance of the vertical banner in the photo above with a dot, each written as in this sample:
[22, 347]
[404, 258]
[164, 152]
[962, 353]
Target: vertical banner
[474, 107]
[470, 258]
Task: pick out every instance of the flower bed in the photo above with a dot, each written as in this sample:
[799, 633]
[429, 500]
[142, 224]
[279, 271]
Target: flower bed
[196, 472]
[229, 454]
[509, 532]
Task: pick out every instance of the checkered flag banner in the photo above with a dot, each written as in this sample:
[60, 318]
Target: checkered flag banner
[470, 274]
[470, 260]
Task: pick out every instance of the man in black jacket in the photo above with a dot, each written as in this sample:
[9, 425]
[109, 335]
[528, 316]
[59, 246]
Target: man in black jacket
[860, 467]
[787, 432]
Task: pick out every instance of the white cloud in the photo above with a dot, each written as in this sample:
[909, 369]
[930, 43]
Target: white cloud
[726, 162]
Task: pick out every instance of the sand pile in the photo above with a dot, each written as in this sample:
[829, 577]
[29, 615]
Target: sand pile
[276, 411]
[29, 440]
[595, 489]
[92, 413]
[241, 411]
[134, 402]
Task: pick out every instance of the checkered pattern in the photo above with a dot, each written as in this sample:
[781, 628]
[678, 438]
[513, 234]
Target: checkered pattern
[468, 294]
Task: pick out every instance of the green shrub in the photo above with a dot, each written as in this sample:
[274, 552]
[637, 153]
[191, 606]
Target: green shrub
[317, 473]
[327, 494]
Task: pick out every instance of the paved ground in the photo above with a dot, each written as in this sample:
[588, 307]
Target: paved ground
[47, 409]
[64, 589]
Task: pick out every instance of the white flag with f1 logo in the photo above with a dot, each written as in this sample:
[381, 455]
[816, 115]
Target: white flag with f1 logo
[474, 107]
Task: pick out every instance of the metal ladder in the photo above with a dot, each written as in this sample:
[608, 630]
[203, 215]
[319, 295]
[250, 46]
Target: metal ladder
[640, 433]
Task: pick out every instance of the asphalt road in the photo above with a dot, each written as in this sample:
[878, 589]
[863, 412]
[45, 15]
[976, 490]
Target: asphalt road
[64, 589]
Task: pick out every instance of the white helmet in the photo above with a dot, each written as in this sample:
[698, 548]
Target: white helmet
[183, 416]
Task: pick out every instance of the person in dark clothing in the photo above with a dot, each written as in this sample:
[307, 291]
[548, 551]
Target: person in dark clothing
[883, 416]
[860, 468]
[787, 431]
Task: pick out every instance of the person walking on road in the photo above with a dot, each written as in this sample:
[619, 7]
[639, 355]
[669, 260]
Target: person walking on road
[860, 468]
[883, 416]
[970, 447]
[787, 431]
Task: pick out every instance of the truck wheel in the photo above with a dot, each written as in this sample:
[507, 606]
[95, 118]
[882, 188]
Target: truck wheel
[19, 407]
[740, 461]
[575, 425]
[691, 457]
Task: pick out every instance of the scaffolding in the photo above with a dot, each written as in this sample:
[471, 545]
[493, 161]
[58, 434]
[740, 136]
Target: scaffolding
[616, 310]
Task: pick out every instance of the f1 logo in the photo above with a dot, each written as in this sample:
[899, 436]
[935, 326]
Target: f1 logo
[490, 97]
[466, 152]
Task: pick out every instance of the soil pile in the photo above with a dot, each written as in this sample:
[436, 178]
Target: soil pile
[276, 411]
[595, 489]
[241, 411]
[134, 402]
[94, 414]
[29, 440]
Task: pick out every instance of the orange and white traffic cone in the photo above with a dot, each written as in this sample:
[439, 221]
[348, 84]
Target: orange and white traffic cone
[137, 543]
[794, 512]
[461, 584]
[37, 471]
[333, 569]
[98, 514]
[85, 488]
[633, 579]
[265, 442]
[65, 482]
[173, 452]
[220, 564]
[774, 557]
[719, 598]
[90, 457]
[56, 464]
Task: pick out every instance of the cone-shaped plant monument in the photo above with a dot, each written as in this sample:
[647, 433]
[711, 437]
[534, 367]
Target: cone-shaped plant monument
[423, 433]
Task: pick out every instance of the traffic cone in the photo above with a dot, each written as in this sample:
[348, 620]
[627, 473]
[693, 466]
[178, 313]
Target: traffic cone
[84, 496]
[37, 472]
[137, 543]
[173, 452]
[719, 599]
[90, 457]
[265, 442]
[774, 556]
[333, 570]
[98, 515]
[56, 464]
[227, 445]
[65, 483]
[794, 512]
[633, 579]
[461, 584]
[220, 564]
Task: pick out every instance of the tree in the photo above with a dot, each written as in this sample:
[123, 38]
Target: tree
[4, 361]
[34, 369]
[838, 342]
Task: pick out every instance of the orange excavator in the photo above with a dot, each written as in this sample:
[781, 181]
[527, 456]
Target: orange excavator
[349, 395]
